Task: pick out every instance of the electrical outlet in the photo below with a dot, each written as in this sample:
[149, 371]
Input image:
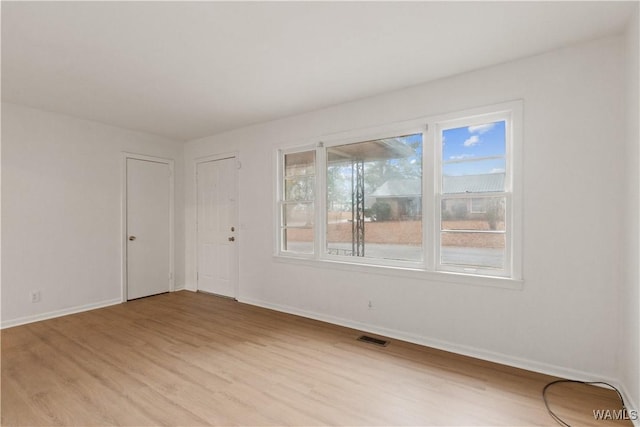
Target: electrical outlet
[35, 296]
[370, 305]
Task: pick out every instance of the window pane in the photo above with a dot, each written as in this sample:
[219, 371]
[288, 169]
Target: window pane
[397, 240]
[300, 163]
[473, 249]
[474, 214]
[374, 198]
[478, 176]
[469, 142]
[298, 215]
[474, 158]
[473, 228]
[297, 240]
[299, 187]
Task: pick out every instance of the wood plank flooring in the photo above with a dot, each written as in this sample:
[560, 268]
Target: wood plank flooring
[195, 359]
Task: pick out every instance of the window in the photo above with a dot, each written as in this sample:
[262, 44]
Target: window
[438, 194]
[374, 198]
[297, 202]
[473, 195]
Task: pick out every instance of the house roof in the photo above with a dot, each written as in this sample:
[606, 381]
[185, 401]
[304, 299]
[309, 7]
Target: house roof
[483, 183]
[399, 188]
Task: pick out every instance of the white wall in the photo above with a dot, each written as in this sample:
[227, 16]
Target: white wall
[61, 217]
[630, 292]
[565, 318]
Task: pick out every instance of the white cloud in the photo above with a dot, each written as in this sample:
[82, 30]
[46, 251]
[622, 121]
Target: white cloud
[473, 140]
[461, 156]
[481, 128]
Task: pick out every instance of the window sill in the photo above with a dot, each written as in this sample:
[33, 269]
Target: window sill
[412, 273]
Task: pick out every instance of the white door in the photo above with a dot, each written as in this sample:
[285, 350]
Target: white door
[148, 228]
[217, 228]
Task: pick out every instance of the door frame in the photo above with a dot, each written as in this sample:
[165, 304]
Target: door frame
[123, 229]
[212, 158]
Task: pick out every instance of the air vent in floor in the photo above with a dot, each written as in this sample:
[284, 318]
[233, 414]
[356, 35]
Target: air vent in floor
[372, 340]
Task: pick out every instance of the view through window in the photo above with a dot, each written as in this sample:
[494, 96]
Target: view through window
[441, 195]
[472, 219]
[374, 199]
[297, 206]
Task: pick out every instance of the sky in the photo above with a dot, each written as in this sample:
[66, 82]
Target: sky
[464, 148]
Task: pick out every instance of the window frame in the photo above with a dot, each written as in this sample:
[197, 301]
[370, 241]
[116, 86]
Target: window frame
[281, 202]
[461, 121]
[430, 266]
[404, 128]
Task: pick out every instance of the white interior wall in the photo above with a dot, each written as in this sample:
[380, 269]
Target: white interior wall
[564, 319]
[630, 292]
[61, 211]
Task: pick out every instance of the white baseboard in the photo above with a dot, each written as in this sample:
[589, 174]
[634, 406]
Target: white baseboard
[478, 353]
[57, 313]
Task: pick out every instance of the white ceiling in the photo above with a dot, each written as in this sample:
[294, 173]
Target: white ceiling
[190, 69]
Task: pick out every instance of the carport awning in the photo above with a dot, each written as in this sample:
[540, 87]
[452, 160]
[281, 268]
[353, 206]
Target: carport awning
[380, 149]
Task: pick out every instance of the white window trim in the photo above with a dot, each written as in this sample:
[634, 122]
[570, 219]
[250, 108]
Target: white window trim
[429, 268]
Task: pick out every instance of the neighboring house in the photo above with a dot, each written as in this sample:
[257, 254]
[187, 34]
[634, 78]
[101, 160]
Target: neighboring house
[404, 196]
[471, 184]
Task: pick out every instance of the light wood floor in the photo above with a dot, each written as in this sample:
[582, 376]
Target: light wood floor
[195, 359]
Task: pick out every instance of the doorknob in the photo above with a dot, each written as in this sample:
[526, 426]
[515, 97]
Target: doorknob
[132, 238]
[232, 239]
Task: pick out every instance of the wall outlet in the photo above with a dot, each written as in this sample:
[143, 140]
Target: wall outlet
[35, 296]
[370, 305]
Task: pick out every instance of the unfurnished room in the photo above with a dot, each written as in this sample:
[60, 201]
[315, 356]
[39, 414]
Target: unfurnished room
[320, 213]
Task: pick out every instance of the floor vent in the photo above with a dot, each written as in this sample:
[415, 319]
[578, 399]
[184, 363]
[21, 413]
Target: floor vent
[372, 340]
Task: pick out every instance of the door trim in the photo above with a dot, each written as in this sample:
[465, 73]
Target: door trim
[123, 219]
[212, 158]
